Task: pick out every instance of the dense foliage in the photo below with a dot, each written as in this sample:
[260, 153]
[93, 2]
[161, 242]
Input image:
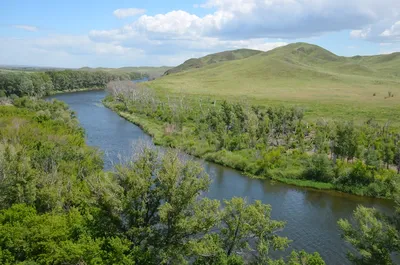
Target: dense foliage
[57, 206]
[43, 83]
[272, 142]
[374, 236]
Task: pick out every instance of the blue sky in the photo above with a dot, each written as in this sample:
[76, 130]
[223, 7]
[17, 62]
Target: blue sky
[137, 33]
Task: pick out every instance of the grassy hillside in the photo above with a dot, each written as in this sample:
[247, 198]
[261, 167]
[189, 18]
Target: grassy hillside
[196, 63]
[325, 84]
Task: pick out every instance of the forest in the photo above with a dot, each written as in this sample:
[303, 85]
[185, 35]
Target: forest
[39, 84]
[269, 142]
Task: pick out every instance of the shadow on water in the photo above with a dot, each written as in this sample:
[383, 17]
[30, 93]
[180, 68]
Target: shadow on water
[311, 215]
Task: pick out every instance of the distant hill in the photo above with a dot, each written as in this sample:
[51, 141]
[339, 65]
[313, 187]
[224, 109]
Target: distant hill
[300, 73]
[195, 63]
[308, 55]
[153, 72]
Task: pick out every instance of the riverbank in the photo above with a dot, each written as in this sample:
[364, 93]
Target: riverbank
[75, 90]
[225, 158]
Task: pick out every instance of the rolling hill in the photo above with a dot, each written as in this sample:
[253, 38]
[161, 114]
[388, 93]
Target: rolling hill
[196, 63]
[302, 74]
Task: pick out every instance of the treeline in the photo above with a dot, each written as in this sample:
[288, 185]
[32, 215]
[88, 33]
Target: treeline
[57, 205]
[40, 84]
[273, 142]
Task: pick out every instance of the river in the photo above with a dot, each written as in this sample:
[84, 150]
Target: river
[311, 215]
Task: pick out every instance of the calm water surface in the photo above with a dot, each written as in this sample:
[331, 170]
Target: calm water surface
[311, 215]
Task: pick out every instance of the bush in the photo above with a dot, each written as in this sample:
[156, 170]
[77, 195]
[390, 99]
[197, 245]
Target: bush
[360, 175]
[319, 169]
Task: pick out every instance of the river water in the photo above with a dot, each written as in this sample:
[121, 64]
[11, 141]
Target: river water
[311, 215]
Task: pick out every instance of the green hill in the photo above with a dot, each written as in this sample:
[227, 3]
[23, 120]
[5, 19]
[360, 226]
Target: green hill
[302, 74]
[195, 63]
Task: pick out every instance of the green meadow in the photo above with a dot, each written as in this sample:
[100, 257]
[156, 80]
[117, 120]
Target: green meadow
[323, 84]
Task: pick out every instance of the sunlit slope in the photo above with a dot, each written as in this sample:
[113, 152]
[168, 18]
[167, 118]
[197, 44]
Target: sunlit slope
[300, 73]
[196, 63]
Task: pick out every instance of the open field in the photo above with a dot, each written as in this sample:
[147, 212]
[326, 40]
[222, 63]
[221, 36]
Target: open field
[325, 85]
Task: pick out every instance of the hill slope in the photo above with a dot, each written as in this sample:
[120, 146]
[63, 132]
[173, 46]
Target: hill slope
[195, 63]
[302, 74]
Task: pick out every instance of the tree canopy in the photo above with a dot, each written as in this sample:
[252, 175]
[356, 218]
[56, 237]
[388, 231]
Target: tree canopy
[58, 206]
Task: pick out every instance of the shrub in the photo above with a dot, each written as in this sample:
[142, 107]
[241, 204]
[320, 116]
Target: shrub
[319, 169]
[359, 175]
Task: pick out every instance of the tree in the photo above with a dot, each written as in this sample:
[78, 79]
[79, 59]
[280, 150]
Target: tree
[346, 140]
[372, 235]
[243, 223]
[388, 151]
[161, 211]
[160, 205]
[46, 239]
[300, 258]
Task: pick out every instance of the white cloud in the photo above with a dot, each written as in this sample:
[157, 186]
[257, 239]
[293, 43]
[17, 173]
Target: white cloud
[393, 32]
[244, 19]
[67, 51]
[174, 23]
[128, 12]
[360, 33]
[26, 27]
[226, 24]
[82, 45]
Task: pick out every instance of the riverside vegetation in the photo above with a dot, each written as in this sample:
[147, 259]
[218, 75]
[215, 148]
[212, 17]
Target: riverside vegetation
[273, 142]
[39, 84]
[57, 205]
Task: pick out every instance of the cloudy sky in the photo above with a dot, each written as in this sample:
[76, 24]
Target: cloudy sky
[117, 33]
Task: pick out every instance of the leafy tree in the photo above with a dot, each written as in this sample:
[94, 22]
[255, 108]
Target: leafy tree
[388, 151]
[300, 258]
[242, 223]
[372, 235]
[320, 169]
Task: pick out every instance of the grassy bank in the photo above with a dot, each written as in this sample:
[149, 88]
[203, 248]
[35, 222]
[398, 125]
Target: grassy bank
[76, 90]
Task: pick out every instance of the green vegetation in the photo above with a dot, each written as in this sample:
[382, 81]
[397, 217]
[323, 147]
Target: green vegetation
[195, 63]
[40, 84]
[57, 206]
[273, 142]
[374, 236]
[323, 84]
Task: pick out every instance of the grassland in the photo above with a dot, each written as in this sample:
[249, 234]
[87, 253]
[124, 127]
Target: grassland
[324, 84]
[212, 59]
